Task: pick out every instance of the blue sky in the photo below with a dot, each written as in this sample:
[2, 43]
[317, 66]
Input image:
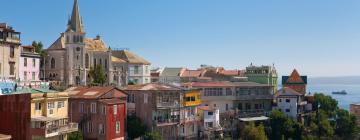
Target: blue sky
[318, 37]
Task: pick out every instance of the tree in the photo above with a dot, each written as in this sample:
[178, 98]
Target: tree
[283, 127]
[153, 136]
[345, 126]
[97, 75]
[253, 132]
[75, 136]
[327, 104]
[135, 128]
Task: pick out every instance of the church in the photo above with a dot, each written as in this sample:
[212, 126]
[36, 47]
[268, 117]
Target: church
[70, 58]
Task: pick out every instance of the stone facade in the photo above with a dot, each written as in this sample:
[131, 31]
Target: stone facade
[9, 53]
[71, 57]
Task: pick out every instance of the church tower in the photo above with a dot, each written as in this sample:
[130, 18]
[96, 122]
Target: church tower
[75, 48]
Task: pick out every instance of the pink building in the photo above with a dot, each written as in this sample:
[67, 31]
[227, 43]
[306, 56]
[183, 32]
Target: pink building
[29, 64]
[355, 109]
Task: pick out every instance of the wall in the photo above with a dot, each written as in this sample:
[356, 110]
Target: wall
[29, 69]
[112, 119]
[143, 76]
[5, 59]
[15, 116]
[292, 105]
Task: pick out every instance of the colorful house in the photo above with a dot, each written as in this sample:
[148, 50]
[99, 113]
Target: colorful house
[168, 109]
[100, 112]
[263, 75]
[29, 67]
[295, 82]
[49, 115]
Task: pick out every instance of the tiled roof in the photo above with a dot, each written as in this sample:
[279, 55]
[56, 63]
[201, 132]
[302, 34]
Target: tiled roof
[286, 91]
[117, 60]
[191, 73]
[130, 57]
[95, 44]
[294, 78]
[151, 86]
[225, 84]
[90, 43]
[171, 72]
[155, 74]
[92, 92]
[232, 72]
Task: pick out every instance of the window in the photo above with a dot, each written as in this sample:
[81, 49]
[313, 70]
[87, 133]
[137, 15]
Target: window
[12, 51]
[145, 98]
[25, 75]
[34, 62]
[90, 127]
[60, 104]
[94, 62]
[106, 64]
[37, 106]
[101, 129]
[78, 49]
[25, 62]
[287, 100]
[81, 107]
[227, 107]
[210, 113]
[147, 69]
[51, 106]
[52, 63]
[248, 106]
[214, 105]
[100, 62]
[280, 100]
[240, 107]
[33, 76]
[12, 68]
[136, 69]
[87, 60]
[287, 110]
[117, 129]
[103, 109]
[115, 109]
[193, 128]
[93, 107]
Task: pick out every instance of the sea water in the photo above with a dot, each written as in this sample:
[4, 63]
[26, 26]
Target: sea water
[344, 101]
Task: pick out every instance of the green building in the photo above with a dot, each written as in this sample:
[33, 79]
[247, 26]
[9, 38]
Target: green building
[263, 75]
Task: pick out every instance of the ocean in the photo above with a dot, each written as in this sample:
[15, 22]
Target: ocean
[344, 101]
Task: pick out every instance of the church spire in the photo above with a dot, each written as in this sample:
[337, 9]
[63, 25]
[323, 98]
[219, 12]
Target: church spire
[75, 24]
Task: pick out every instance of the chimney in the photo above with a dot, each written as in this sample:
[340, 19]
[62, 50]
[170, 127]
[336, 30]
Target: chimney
[98, 37]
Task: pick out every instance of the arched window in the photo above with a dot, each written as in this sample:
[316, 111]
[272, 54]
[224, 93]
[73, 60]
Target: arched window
[87, 60]
[52, 63]
[100, 62]
[106, 65]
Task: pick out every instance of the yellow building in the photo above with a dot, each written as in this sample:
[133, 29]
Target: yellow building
[49, 115]
[192, 98]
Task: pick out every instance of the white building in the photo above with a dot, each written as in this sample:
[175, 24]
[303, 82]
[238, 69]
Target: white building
[210, 121]
[170, 75]
[290, 102]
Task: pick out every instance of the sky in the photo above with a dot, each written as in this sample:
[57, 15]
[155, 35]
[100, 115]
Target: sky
[317, 37]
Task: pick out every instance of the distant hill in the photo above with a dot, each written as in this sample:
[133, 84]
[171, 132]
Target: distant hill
[346, 80]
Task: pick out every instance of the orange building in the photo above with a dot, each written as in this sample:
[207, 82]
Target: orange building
[295, 82]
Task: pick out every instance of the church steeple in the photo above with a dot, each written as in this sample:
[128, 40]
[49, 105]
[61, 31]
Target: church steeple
[75, 24]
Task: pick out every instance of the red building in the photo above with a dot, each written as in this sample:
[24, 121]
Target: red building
[100, 112]
[15, 116]
[295, 82]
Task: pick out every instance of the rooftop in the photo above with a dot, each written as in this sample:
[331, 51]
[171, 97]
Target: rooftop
[93, 92]
[286, 91]
[225, 84]
[152, 86]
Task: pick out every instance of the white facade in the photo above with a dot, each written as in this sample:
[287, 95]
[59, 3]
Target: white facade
[211, 118]
[139, 73]
[288, 105]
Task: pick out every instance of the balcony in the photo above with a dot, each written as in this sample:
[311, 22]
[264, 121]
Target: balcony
[253, 113]
[166, 122]
[51, 131]
[168, 104]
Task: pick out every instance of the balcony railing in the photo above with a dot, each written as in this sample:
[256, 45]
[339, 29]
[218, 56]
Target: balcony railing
[57, 130]
[163, 122]
[253, 113]
[168, 105]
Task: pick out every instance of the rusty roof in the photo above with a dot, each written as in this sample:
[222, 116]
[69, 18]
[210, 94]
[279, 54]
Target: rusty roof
[93, 92]
[152, 86]
[225, 84]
